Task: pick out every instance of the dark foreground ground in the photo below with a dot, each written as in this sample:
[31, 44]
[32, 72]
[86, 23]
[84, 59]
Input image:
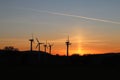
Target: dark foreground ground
[44, 64]
[61, 72]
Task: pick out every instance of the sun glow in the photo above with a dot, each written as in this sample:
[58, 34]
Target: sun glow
[79, 50]
[76, 45]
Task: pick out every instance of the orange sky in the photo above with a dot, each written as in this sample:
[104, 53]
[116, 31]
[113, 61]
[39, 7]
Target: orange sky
[78, 46]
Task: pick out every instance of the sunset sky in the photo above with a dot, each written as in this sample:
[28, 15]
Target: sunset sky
[92, 25]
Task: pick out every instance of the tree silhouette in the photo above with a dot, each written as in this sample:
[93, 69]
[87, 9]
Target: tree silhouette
[10, 48]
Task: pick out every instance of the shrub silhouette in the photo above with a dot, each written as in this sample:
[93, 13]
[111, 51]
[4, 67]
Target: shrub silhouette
[10, 48]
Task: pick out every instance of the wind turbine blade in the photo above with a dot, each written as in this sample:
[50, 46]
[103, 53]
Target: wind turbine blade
[52, 44]
[33, 41]
[37, 45]
[49, 44]
[68, 37]
[46, 42]
[37, 40]
[32, 36]
[47, 47]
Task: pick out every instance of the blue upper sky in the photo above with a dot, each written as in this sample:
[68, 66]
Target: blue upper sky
[17, 11]
[90, 8]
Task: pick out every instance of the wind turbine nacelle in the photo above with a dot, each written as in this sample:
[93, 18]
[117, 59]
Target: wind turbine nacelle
[68, 43]
[41, 43]
[31, 39]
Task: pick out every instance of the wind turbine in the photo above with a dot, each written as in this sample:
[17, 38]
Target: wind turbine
[31, 43]
[45, 46]
[68, 44]
[38, 45]
[50, 47]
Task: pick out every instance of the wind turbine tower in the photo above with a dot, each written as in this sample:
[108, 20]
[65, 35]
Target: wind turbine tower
[45, 46]
[50, 47]
[67, 45]
[38, 45]
[31, 43]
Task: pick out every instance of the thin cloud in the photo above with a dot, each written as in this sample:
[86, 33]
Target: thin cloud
[76, 16]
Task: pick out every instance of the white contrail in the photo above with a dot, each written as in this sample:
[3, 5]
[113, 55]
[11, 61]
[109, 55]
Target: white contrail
[76, 16]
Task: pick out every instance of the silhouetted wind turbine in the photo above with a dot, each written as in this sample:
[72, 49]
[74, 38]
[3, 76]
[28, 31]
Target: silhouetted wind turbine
[50, 47]
[45, 46]
[67, 44]
[31, 42]
[38, 45]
